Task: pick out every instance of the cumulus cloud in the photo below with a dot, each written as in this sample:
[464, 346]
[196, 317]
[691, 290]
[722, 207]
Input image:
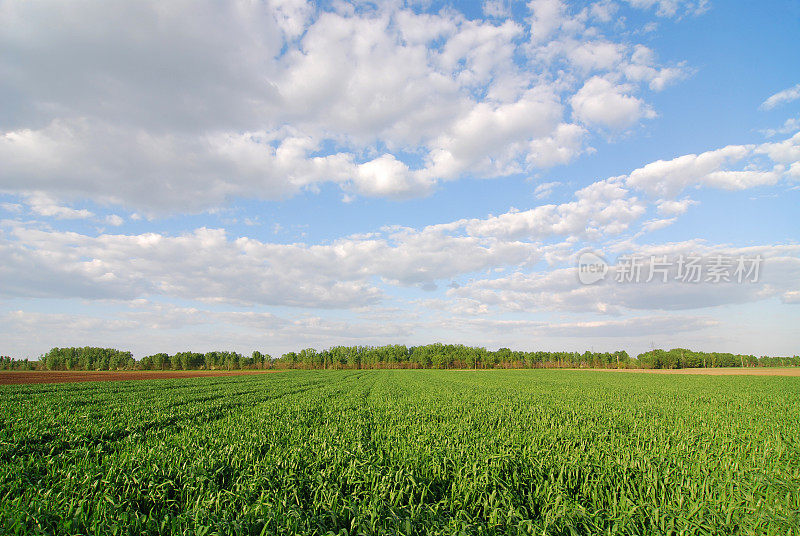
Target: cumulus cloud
[741, 180]
[558, 148]
[386, 176]
[353, 271]
[782, 152]
[210, 266]
[603, 207]
[144, 109]
[492, 138]
[642, 67]
[103, 161]
[667, 178]
[203, 265]
[547, 17]
[206, 265]
[600, 102]
[559, 289]
[266, 100]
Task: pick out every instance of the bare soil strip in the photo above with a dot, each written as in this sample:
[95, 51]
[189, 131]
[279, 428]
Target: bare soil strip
[20, 377]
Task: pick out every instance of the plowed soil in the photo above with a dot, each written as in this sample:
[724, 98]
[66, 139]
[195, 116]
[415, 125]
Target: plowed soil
[14, 377]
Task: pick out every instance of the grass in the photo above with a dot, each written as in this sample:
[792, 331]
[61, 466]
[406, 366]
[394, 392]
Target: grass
[403, 452]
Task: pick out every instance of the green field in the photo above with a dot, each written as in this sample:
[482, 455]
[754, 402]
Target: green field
[404, 452]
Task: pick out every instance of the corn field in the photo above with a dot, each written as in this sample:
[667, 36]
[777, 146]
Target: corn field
[403, 452]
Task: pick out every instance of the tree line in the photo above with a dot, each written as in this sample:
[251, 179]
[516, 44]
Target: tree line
[443, 356]
[438, 356]
[446, 356]
[682, 358]
[91, 358]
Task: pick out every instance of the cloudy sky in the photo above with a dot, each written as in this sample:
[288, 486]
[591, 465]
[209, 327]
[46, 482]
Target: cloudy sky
[279, 174]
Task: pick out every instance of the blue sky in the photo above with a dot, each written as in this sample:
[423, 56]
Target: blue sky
[282, 174]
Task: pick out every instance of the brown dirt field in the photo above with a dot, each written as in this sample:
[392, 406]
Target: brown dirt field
[22, 377]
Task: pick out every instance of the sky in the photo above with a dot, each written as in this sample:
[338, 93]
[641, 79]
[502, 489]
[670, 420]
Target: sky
[281, 174]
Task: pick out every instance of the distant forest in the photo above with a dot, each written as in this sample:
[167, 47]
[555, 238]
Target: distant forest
[437, 356]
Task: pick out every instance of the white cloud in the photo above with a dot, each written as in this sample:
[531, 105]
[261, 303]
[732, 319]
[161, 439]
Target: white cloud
[44, 205]
[783, 152]
[559, 289]
[114, 219]
[782, 97]
[600, 102]
[150, 327]
[11, 207]
[546, 17]
[198, 266]
[741, 180]
[559, 148]
[667, 178]
[492, 138]
[790, 125]
[207, 266]
[630, 327]
[643, 67]
[794, 171]
[597, 55]
[656, 224]
[672, 8]
[497, 8]
[195, 266]
[172, 108]
[545, 190]
[292, 16]
[351, 271]
[603, 207]
[264, 100]
[674, 208]
[141, 64]
[387, 176]
[64, 158]
[637, 326]
[604, 10]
